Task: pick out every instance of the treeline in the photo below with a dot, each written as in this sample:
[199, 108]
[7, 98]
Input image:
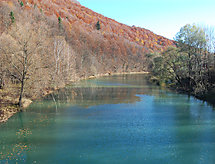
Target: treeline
[38, 54]
[190, 66]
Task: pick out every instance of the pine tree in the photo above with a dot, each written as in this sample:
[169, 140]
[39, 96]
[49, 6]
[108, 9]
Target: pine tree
[98, 26]
[59, 22]
[21, 4]
[12, 17]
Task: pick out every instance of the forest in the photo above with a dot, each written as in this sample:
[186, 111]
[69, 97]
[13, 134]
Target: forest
[79, 87]
[47, 45]
[189, 67]
[40, 54]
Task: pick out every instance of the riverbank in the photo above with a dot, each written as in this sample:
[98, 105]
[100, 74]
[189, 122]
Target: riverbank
[8, 107]
[209, 97]
[7, 111]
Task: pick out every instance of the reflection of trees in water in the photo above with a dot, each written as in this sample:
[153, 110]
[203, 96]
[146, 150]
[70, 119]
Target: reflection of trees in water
[44, 112]
[107, 90]
[90, 96]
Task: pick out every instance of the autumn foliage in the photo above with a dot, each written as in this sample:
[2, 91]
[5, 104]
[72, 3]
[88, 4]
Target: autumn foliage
[74, 14]
[70, 45]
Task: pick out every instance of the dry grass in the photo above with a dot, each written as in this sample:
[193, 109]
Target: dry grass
[7, 112]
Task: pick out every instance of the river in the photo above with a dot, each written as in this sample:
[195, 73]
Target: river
[111, 120]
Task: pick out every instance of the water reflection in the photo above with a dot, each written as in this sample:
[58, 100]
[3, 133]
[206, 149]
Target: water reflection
[87, 97]
[119, 119]
[114, 90]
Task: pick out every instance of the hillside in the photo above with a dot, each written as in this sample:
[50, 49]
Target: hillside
[46, 44]
[73, 14]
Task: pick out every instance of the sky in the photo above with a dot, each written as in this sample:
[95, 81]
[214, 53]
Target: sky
[163, 17]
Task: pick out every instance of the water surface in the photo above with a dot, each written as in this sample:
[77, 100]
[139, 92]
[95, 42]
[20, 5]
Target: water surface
[111, 120]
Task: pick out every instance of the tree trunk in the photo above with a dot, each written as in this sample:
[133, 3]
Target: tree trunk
[21, 94]
[189, 69]
[22, 83]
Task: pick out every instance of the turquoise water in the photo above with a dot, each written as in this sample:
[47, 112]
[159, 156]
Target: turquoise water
[111, 120]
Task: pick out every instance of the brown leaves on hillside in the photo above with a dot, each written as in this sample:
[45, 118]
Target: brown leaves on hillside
[73, 50]
[73, 13]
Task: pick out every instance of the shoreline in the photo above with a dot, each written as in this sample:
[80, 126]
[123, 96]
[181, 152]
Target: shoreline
[207, 97]
[9, 110]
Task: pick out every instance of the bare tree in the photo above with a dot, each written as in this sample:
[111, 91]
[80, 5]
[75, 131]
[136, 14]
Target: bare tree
[20, 46]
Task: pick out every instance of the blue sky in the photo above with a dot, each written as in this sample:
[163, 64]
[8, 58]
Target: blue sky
[164, 17]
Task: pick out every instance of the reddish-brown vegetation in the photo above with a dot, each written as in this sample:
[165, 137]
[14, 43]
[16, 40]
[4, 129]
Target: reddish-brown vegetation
[39, 53]
[74, 14]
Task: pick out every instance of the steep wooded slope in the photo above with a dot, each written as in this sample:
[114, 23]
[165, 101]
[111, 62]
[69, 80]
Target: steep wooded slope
[39, 53]
[74, 14]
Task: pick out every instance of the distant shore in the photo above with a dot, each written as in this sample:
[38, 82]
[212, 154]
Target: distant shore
[112, 74]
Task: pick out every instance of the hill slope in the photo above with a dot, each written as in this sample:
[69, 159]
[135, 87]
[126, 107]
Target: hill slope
[73, 13]
[87, 18]
[39, 53]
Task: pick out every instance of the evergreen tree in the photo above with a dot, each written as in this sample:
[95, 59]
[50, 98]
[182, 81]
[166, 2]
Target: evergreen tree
[59, 22]
[21, 3]
[98, 26]
[12, 17]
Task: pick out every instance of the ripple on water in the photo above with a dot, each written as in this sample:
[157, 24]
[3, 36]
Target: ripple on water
[115, 120]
